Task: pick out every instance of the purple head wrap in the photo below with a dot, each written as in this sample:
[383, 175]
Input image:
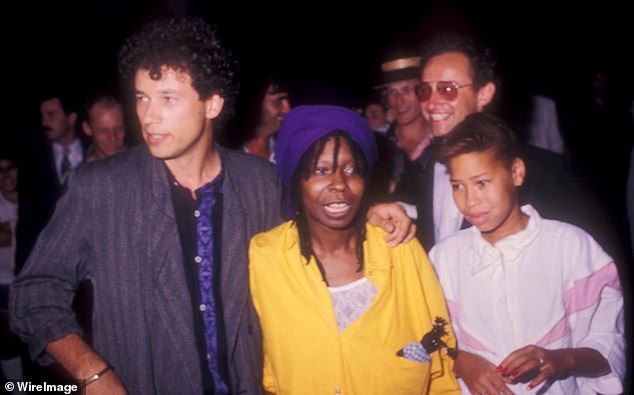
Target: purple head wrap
[304, 125]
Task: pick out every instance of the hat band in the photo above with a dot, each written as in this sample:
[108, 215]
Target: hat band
[398, 76]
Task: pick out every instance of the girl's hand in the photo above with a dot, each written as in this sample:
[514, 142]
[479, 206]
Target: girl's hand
[479, 375]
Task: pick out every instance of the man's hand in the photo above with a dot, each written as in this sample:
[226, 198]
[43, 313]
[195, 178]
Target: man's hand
[82, 363]
[393, 219]
[109, 383]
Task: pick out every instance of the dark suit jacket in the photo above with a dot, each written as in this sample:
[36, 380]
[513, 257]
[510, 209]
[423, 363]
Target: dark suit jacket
[116, 226]
[38, 191]
[553, 187]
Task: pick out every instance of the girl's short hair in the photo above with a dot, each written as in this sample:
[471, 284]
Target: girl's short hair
[479, 132]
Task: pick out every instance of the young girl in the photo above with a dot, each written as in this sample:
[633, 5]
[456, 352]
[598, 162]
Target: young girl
[536, 304]
[338, 308]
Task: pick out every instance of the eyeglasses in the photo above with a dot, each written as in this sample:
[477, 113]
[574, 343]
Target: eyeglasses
[448, 90]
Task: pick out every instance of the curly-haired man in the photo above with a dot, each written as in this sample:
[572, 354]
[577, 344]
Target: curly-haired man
[162, 233]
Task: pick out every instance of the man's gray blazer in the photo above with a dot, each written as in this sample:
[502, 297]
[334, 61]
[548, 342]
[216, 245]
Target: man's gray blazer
[116, 226]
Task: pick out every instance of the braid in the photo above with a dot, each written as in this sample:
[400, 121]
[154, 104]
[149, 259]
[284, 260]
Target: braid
[305, 246]
[360, 240]
[304, 236]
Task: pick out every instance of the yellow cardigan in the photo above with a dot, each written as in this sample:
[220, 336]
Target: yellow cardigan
[304, 352]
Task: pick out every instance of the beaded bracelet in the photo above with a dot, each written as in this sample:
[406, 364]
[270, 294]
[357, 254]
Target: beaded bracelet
[96, 376]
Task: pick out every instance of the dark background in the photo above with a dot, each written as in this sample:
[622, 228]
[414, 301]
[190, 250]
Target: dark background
[330, 52]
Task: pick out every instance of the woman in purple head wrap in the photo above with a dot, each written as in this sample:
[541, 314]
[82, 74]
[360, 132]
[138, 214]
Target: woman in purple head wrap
[340, 311]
